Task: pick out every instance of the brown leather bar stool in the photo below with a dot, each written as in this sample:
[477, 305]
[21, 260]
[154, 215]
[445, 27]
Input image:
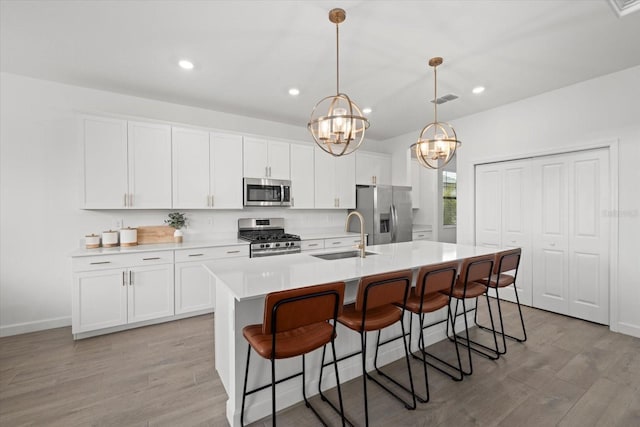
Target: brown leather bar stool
[375, 309]
[467, 287]
[427, 297]
[505, 261]
[296, 322]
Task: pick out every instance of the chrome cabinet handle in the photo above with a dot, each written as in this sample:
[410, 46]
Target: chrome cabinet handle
[130, 278]
[266, 171]
[100, 262]
[196, 254]
[233, 252]
[313, 244]
[292, 202]
[125, 200]
[151, 259]
[336, 243]
[123, 280]
[130, 199]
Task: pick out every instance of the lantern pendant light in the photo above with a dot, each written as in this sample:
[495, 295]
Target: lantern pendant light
[438, 141]
[337, 123]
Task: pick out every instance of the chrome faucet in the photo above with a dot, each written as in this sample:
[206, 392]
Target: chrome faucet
[361, 245]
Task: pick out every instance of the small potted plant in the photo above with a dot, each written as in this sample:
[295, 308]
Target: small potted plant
[177, 220]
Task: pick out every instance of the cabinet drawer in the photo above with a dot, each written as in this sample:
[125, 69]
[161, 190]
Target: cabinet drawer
[341, 242]
[309, 245]
[423, 235]
[212, 253]
[102, 262]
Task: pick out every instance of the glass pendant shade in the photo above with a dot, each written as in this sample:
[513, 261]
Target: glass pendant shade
[438, 141]
[337, 123]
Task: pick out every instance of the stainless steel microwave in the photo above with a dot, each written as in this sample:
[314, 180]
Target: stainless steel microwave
[267, 192]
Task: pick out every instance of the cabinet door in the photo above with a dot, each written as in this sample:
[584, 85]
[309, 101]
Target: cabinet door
[279, 160]
[104, 143]
[345, 170]
[383, 170]
[325, 180]
[194, 288]
[367, 166]
[149, 156]
[415, 184]
[226, 171]
[99, 300]
[190, 160]
[302, 177]
[150, 294]
[254, 157]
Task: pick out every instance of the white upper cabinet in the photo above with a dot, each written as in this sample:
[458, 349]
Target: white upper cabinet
[265, 159]
[190, 168]
[207, 170]
[149, 155]
[335, 181]
[104, 146]
[126, 164]
[226, 171]
[302, 177]
[373, 168]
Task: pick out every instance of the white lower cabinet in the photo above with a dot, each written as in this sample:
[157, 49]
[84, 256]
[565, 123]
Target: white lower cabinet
[194, 286]
[117, 290]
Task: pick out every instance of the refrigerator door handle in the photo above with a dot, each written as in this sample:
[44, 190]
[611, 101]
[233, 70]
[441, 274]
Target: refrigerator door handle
[394, 223]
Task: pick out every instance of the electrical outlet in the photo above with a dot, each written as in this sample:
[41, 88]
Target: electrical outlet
[210, 221]
[118, 223]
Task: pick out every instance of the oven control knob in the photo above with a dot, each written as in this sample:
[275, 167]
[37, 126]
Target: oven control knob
[286, 244]
[261, 246]
[277, 245]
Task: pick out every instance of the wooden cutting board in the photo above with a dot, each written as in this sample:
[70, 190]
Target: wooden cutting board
[155, 234]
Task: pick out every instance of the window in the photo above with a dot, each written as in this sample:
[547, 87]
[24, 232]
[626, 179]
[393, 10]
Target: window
[449, 200]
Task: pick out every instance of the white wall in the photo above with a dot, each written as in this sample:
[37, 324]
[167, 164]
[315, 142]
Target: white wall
[606, 108]
[40, 222]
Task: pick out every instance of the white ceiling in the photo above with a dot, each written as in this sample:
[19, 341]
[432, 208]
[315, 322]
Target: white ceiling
[247, 54]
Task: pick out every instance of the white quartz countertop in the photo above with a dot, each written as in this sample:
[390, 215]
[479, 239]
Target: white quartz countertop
[256, 277]
[209, 243]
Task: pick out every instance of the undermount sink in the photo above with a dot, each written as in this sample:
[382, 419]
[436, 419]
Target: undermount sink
[341, 255]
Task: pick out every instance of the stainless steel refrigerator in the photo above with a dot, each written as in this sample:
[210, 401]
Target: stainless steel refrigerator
[387, 213]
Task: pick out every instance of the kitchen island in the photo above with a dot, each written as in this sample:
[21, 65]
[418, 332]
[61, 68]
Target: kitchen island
[240, 289]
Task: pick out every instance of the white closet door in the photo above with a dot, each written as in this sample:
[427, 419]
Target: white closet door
[488, 204]
[516, 223]
[550, 234]
[589, 235]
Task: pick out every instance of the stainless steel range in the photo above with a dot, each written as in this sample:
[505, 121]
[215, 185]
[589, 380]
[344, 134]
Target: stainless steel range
[267, 237]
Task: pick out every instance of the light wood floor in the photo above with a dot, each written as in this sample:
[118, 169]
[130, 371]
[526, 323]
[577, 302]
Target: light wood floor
[568, 373]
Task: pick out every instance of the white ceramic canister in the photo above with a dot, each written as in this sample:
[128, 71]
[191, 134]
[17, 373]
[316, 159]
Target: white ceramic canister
[128, 236]
[109, 239]
[92, 241]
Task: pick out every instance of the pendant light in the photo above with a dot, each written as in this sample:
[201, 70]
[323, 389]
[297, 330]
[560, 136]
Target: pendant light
[437, 142]
[337, 123]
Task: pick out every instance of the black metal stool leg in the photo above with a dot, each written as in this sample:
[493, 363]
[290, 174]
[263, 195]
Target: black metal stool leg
[244, 389]
[273, 392]
[363, 346]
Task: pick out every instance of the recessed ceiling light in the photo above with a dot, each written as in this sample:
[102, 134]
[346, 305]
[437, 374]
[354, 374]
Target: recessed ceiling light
[366, 110]
[187, 65]
[478, 90]
[294, 92]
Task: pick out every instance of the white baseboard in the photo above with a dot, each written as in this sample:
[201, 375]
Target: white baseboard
[629, 329]
[39, 325]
